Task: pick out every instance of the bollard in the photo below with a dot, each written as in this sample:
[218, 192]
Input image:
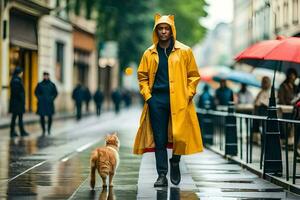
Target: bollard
[230, 132]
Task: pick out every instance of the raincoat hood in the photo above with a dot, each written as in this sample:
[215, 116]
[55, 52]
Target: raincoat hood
[167, 19]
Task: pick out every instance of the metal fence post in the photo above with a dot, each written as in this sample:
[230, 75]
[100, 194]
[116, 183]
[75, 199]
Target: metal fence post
[206, 125]
[231, 132]
[272, 148]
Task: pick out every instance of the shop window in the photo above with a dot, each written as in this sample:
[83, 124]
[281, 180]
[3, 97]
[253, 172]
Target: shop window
[59, 66]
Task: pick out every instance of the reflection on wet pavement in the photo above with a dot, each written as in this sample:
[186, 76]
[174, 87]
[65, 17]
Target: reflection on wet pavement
[186, 190]
[217, 178]
[174, 193]
[54, 167]
[57, 167]
[125, 180]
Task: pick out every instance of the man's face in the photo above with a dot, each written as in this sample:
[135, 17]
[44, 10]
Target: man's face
[223, 83]
[46, 77]
[164, 32]
[293, 77]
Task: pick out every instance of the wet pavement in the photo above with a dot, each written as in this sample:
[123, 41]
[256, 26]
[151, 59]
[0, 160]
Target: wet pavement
[186, 190]
[57, 167]
[218, 178]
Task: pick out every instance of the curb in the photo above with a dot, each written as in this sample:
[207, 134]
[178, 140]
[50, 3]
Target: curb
[273, 179]
[36, 119]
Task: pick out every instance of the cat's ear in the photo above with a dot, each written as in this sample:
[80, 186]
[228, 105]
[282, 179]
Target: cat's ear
[171, 17]
[157, 16]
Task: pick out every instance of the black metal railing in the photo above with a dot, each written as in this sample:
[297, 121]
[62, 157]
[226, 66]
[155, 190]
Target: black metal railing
[233, 134]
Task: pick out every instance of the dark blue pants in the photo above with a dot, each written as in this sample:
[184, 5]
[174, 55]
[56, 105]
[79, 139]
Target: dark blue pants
[159, 110]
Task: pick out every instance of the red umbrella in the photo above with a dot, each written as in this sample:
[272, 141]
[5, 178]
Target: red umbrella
[272, 54]
[258, 50]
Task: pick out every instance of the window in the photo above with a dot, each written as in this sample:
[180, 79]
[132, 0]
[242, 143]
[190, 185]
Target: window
[295, 11]
[285, 14]
[277, 20]
[59, 63]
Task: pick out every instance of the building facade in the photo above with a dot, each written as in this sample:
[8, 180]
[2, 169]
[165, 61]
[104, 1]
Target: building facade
[241, 25]
[85, 52]
[286, 17]
[264, 19]
[19, 46]
[56, 53]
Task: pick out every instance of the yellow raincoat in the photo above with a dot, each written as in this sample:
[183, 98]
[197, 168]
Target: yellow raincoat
[184, 131]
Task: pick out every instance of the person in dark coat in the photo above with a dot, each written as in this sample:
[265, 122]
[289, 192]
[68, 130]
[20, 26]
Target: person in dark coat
[117, 98]
[127, 98]
[223, 94]
[98, 98]
[206, 100]
[17, 102]
[87, 98]
[288, 89]
[46, 93]
[78, 97]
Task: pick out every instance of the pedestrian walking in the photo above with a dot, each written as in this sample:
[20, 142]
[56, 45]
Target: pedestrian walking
[127, 97]
[17, 102]
[98, 98]
[46, 93]
[260, 107]
[224, 94]
[168, 77]
[206, 100]
[286, 93]
[116, 98]
[296, 116]
[78, 97]
[87, 98]
[288, 89]
[244, 95]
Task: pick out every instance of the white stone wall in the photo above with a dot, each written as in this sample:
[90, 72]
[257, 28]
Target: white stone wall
[240, 25]
[4, 97]
[51, 30]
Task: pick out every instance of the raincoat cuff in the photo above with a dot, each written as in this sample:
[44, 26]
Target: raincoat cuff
[147, 96]
[190, 93]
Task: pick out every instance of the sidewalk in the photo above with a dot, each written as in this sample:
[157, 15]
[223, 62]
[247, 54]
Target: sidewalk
[208, 176]
[255, 167]
[30, 118]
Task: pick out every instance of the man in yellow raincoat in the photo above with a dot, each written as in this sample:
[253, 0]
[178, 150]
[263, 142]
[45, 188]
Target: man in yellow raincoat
[168, 77]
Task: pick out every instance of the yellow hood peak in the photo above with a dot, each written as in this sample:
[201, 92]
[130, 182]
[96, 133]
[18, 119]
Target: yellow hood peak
[159, 19]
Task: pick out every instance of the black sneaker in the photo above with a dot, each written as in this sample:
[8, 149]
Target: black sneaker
[175, 172]
[161, 181]
[13, 134]
[24, 133]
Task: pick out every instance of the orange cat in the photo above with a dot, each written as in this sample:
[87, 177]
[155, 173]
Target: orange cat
[105, 160]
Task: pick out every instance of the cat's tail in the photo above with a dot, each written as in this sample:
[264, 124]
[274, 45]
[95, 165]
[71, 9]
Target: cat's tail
[93, 164]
